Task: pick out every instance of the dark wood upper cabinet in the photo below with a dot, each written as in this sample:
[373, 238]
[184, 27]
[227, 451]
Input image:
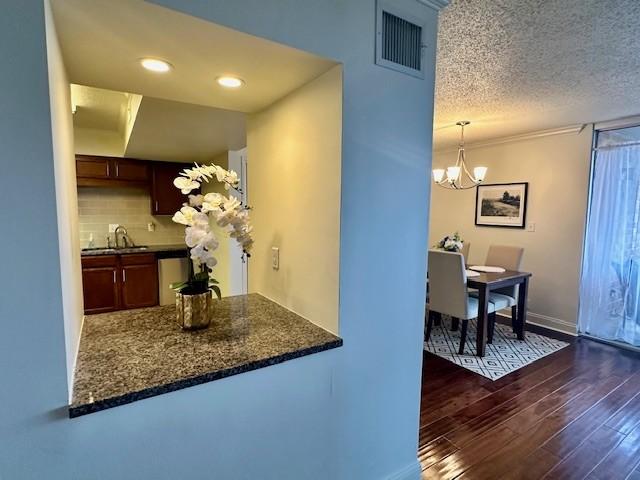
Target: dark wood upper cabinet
[100, 284]
[132, 170]
[95, 171]
[157, 177]
[93, 167]
[119, 282]
[166, 199]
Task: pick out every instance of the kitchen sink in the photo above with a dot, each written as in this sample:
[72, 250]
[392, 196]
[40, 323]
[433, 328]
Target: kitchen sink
[140, 248]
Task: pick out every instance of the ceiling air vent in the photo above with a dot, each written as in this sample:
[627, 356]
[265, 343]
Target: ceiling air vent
[398, 40]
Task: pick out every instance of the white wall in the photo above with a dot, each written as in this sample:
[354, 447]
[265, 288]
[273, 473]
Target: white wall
[66, 197]
[350, 413]
[557, 169]
[93, 141]
[294, 151]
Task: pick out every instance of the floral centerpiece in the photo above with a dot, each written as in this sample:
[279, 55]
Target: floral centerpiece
[451, 243]
[193, 296]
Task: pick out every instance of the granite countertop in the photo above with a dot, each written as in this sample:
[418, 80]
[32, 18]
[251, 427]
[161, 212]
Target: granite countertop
[157, 249]
[130, 355]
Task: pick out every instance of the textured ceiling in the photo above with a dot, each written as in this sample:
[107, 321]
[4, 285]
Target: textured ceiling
[518, 66]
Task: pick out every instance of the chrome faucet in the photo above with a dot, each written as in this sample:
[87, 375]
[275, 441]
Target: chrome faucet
[126, 240]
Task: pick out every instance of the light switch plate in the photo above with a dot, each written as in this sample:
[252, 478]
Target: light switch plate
[112, 227]
[531, 227]
[275, 258]
[151, 227]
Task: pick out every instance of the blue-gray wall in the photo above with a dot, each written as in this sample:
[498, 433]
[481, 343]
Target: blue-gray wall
[350, 413]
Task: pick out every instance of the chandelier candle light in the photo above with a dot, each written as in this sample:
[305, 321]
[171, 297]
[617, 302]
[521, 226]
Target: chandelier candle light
[453, 177]
[194, 300]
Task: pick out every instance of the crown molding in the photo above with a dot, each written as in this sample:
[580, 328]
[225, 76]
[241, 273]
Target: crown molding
[618, 123]
[435, 4]
[573, 129]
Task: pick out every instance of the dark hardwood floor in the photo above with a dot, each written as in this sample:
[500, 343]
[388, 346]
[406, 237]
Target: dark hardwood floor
[572, 415]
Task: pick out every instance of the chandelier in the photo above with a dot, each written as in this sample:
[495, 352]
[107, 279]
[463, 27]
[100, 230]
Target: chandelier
[453, 177]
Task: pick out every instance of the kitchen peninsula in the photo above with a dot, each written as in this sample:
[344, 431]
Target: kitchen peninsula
[131, 355]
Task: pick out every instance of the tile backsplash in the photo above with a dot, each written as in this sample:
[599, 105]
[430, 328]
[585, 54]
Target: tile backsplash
[129, 207]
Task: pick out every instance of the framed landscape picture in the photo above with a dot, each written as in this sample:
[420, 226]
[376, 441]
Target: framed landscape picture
[501, 205]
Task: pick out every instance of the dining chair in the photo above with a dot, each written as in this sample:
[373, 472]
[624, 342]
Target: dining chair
[509, 258]
[465, 251]
[448, 294]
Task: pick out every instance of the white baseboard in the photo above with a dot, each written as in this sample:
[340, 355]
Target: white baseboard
[551, 323]
[413, 471]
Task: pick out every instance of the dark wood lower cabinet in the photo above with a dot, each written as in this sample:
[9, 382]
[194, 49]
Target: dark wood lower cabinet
[139, 281]
[100, 285]
[119, 282]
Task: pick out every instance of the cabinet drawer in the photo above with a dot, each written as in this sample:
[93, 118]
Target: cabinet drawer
[138, 259]
[100, 261]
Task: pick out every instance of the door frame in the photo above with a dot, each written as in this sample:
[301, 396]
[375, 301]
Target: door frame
[238, 268]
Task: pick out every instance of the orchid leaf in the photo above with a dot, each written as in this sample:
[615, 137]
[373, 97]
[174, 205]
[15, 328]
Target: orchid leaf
[216, 289]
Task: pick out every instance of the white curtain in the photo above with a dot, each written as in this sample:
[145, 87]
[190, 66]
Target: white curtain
[610, 286]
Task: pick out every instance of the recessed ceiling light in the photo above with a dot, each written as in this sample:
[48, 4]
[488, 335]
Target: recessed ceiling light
[156, 65]
[230, 82]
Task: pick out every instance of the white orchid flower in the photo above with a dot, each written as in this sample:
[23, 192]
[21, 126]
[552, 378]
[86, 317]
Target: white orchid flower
[201, 220]
[211, 261]
[231, 203]
[226, 211]
[199, 254]
[231, 179]
[209, 241]
[185, 184]
[179, 217]
[221, 174]
[224, 217]
[212, 202]
[196, 200]
[214, 199]
[194, 236]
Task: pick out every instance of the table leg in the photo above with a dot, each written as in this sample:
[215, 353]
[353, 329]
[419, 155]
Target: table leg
[522, 307]
[455, 323]
[481, 335]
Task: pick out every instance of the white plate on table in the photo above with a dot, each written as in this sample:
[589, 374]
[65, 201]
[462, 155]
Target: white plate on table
[471, 273]
[488, 269]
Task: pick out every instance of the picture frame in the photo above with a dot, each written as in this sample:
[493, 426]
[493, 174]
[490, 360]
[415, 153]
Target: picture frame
[502, 205]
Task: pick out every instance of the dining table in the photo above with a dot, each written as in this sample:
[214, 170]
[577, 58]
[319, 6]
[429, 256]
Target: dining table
[486, 282]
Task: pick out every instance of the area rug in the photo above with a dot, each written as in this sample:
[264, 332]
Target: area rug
[505, 355]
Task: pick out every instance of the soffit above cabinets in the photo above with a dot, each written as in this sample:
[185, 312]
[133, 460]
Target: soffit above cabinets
[151, 128]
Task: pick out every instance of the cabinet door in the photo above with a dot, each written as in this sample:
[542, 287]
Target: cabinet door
[93, 167]
[139, 285]
[166, 199]
[100, 289]
[131, 170]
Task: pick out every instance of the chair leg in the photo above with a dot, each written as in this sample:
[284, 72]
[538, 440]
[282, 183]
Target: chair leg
[455, 323]
[514, 318]
[437, 319]
[491, 327]
[463, 336]
[429, 325]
